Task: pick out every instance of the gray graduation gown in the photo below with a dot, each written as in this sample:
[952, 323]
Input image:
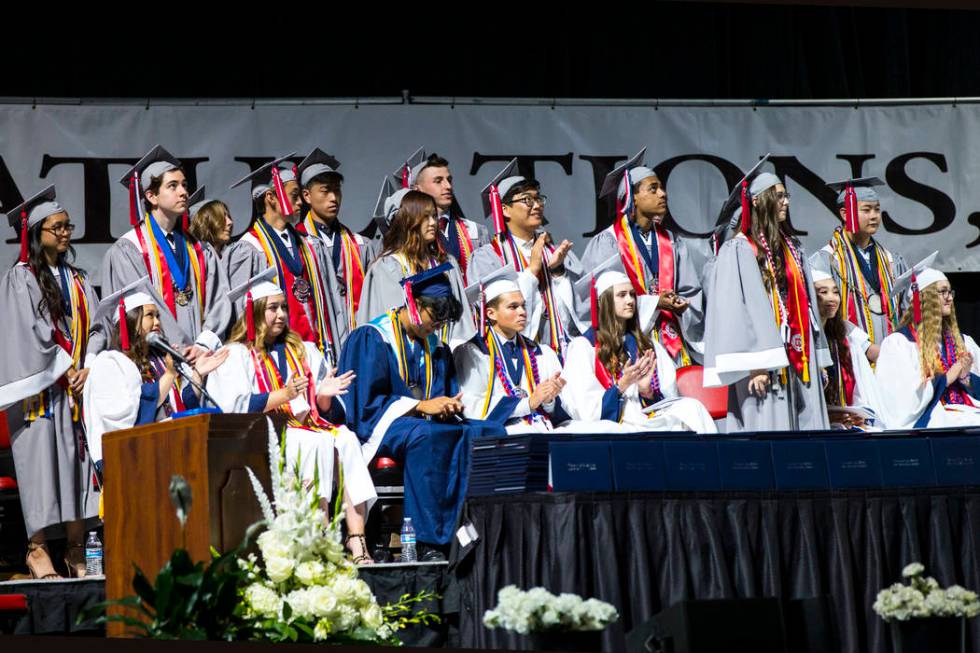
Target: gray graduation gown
[687, 284]
[382, 291]
[827, 260]
[246, 260]
[741, 336]
[123, 264]
[54, 471]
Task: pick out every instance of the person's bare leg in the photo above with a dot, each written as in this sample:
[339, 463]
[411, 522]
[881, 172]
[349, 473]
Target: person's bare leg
[75, 553]
[38, 560]
[356, 519]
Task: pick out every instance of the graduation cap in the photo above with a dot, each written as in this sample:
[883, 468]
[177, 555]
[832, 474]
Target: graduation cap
[272, 176]
[494, 191]
[32, 211]
[408, 172]
[137, 179]
[852, 191]
[428, 283]
[317, 163]
[816, 275]
[194, 203]
[114, 307]
[258, 287]
[622, 179]
[394, 202]
[500, 281]
[738, 203]
[606, 275]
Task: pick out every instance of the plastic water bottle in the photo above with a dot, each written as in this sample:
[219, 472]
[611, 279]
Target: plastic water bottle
[93, 555]
[408, 541]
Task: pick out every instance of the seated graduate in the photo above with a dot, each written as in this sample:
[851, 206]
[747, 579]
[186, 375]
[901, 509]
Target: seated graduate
[506, 377]
[405, 403]
[615, 372]
[270, 369]
[44, 364]
[130, 384]
[762, 338]
[849, 382]
[410, 247]
[927, 371]
[545, 272]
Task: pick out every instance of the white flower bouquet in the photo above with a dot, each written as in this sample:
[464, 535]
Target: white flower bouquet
[923, 598]
[538, 610]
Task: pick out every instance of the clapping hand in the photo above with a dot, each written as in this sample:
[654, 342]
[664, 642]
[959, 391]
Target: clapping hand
[546, 391]
[634, 372]
[333, 385]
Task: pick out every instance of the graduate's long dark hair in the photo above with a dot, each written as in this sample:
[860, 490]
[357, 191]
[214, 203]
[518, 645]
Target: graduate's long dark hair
[139, 349]
[51, 302]
[767, 228]
[611, 336]
[836, 331]
[405, 233]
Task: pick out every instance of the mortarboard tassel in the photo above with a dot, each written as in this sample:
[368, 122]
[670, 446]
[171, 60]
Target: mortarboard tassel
[123, 329]
[413, 310]
[23, 236]
[626, 207]
[746, 209]
[284, 205]
[249, 317]
[497, 211]
[916, 301]
[850, 210]
[406, 172]
[134, 201]
[594, 308]
[185, 221]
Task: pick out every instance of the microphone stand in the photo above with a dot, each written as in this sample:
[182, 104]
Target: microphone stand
[197, 386]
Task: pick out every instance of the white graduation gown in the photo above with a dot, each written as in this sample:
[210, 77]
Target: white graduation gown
[111, 397]
[232, 386]
[583, 395]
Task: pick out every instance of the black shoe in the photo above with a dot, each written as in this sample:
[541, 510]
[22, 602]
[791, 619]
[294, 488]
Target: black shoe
[432, 555]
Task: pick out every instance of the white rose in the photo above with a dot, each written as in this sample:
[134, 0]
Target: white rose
[372, 617]
[309, 572]
[323, 601]
[362, 593]
[345, 590]
[279, 569]
[346, 618]
[300, 603]
[263, 600]
[274, 545]
[913, 569]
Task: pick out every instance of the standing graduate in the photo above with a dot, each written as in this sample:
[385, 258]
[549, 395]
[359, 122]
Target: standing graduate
[849, 382]
[656, 260]
[130, 382]
[615, 372]
[864, 271]
[270, 369]
[457, 236]
[927, 370]
[44, 364]
[317, 312]
[184, 271]
[405, 401]
[410, 247]
[210, 222]
[348, 252]
[762, 337]
[506, 377]
[546, 273]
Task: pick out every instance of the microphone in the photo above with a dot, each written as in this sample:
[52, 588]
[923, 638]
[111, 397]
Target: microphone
[160, 343]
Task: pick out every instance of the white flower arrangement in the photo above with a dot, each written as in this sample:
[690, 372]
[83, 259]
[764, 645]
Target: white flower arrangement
[923, 598]
[305, 588]
[538, 610]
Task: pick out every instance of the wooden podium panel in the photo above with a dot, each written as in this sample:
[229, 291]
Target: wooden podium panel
[211, 452]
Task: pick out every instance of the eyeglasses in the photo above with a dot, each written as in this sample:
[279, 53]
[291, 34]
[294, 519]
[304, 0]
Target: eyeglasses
[62, 228]
[529, 202]
[947, 292]
[782, 196]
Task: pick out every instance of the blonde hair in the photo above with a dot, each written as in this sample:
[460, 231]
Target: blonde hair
[209, 222]
[930, 331]
[239, 332]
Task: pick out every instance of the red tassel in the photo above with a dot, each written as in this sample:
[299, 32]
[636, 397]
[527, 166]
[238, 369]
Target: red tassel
[850, 210]
[413, 309]
[249, 318]
[916, 301]
[123, 329]
[23, 236]
[284, 206]
[186, 220]
[746, 209]
[497, 211]
[406, 171]
[134, 201]
[594, 307]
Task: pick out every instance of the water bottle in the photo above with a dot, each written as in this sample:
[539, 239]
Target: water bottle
[93, 555]
[408, 541]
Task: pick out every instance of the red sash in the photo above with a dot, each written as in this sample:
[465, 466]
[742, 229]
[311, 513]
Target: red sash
[298, 319]
[353, 267]
[629, 256]
[798, 309]
[667, 325]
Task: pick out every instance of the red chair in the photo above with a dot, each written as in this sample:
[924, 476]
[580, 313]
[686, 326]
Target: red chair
[12, 608]
[690, 383]
[4, 431]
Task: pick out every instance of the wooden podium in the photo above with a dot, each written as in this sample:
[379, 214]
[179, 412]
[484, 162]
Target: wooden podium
[211, 452]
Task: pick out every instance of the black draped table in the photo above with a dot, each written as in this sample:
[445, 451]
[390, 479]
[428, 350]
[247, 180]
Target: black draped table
[643, 552]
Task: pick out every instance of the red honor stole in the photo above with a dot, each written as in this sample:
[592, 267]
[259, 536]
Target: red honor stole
[269, 380]
[630, 255]
[667, 326]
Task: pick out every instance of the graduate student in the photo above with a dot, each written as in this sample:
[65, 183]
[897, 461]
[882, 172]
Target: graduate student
[131, 383]
[185, 271]
[44, 365]
[762, 337]
[405, 402]
[410, 248]
[506, 377]
[210, 221]
[849, 382]
[348, 252]
[657, 262]
[317, 310]
[927, 370]
[616, 372]
[864, 271]
[545, 272]
[270, 369]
